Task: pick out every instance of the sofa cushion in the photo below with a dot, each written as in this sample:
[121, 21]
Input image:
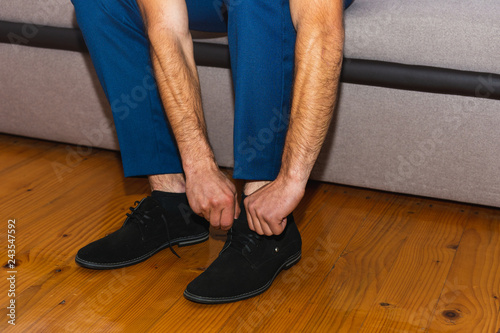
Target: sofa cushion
[56, 13]
[453, 34]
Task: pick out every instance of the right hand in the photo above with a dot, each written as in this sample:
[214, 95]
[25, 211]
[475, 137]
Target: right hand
[213, 196]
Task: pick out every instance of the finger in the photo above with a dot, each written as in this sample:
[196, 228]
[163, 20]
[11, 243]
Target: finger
[215, 219]
[283, 224]
[257, 223]
[278, 227]
[249, 216]
[266, 228]
[237, 209]
[204, 211]
[226, 219]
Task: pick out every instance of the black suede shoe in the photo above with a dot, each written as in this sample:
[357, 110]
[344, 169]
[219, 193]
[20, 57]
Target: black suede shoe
[247, 264]
[148, 229]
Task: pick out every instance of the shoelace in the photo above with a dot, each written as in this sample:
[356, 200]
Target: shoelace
[140, 217]
[241, 240]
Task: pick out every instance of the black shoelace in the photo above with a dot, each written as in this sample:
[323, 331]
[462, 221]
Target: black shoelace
[242, 240]
[140, 219]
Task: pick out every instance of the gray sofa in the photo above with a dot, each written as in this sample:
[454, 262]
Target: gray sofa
[418, 111]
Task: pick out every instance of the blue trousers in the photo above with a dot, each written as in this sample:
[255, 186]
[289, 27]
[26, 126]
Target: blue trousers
[261, 40]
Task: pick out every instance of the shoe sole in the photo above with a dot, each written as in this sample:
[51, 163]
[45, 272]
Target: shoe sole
[180, 242]
[221, 300]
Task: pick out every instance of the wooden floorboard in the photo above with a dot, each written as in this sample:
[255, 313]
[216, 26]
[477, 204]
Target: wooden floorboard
[415, 280]
[372, 261]
[470, 300]
[347, 293]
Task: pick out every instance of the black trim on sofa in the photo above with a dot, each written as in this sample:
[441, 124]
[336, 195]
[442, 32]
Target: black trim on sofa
[421, 78]
[356, 71]
[69, 39]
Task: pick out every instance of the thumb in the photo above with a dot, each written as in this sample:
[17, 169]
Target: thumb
[237, 209]
[283, 223]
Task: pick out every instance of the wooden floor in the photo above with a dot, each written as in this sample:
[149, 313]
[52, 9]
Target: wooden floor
[372, 261]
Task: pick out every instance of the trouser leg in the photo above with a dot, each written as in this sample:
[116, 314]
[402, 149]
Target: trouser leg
[119, 48]
[262, 42]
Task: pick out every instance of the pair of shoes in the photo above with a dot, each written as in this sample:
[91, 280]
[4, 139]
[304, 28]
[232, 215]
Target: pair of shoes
[149, 228]
[246, 266]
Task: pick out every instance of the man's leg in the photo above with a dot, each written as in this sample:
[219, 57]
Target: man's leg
[263, 32]
[115, 35]
[119, 48]
[262, 42]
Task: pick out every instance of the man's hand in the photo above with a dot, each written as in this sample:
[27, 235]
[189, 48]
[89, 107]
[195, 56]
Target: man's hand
[268, 207]
[213, 196]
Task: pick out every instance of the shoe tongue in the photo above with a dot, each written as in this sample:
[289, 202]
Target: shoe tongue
[241, 223]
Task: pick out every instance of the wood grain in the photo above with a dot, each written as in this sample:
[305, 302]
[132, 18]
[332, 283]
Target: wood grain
[372, 261]
[417, 276]
[470, 300]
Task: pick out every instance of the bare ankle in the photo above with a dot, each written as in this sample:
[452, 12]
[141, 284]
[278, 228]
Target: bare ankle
[174, 183]
[254, 185]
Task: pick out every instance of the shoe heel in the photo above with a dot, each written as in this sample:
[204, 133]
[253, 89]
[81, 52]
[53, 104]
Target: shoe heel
[193, 241]
[293, 260]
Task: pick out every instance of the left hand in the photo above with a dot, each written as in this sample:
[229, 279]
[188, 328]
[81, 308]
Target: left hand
[268, 207]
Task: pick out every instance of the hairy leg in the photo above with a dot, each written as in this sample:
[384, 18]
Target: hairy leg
[254, 185]
[174, 183]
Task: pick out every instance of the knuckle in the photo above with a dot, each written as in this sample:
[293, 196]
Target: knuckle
[215, 202]
[227, 201]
